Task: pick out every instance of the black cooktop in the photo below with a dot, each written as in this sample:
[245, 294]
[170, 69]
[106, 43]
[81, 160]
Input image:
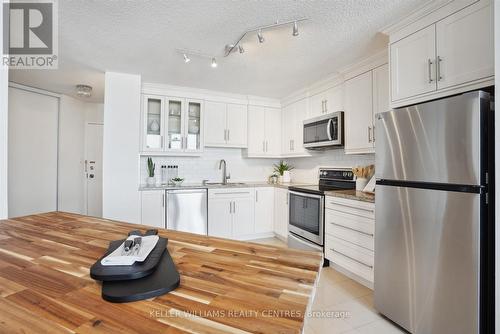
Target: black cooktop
[329, 179]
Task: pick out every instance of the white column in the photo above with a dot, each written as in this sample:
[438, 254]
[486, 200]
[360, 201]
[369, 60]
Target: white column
[4, 108]
[122, 109]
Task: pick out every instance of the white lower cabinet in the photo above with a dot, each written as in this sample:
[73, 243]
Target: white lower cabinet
[349, 238]
[264, 210]
[153, 208]
[281, 212]
[231, 213]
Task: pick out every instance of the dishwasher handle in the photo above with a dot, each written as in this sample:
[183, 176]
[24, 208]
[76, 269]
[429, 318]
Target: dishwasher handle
[187, 191]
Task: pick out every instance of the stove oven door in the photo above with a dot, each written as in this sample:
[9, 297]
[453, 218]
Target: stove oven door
[306, 216]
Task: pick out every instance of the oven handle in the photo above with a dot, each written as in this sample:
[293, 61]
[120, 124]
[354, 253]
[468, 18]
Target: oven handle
[305, 194]
[328, 129]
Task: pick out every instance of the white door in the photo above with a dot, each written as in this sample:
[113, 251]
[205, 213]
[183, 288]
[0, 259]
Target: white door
[243, 217]
[359, 114]
[32, 155]
[288, 129]
[281, 212]
[413, 64]
[93, 169]
[273, 131]
[256, 130]
[237, 125]
[335, 99]
[264, 210]
[153, 208]
[465, 45]
[220, 217]
[300, 114]
[215, 124]
[317, 105]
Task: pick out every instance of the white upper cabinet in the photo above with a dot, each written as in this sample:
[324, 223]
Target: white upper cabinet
[293, 117]
[465, 46]
[172, 125]
[448, 56]
[381, 101]
[317, 104]
[225, 124]
[237, 125]
[359, 114]
[215, 123]
[413, 63]
[264, 131]
[153, 123]
[335, 99]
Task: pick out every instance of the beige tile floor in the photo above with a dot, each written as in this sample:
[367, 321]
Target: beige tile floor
[348, 305]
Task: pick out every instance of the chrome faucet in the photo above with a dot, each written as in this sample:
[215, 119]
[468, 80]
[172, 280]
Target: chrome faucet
[225, 177]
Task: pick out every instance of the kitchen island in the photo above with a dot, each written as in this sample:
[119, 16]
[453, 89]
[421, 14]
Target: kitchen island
[226, 286]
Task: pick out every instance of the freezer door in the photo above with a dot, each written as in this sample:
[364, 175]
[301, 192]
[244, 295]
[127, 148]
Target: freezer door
[427, 259]
[187, 210]
[438, 141]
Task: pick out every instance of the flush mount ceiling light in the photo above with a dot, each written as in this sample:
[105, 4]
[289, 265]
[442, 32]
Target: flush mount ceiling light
[186, 58]
[214, 62]
[230, 48]
[83, 90]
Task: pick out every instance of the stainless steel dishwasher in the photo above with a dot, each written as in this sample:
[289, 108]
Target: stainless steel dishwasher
[187, 210]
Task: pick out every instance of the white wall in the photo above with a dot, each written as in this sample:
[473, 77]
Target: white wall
[94, 112]
[196, 169]
[121, 146]
[4, 107]
[306, 169]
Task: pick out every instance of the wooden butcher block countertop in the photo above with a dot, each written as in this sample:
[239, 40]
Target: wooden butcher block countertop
[226, 286]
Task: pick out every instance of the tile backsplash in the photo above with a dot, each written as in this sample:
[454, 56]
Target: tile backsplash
[206, 167]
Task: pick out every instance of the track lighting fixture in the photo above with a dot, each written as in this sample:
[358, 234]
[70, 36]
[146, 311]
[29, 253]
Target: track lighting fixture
[260, 37]
[186, 58]
[295, 29]
[214, 62]
[240, 48]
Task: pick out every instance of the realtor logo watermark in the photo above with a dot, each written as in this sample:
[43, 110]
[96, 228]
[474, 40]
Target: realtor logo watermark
[30, 34]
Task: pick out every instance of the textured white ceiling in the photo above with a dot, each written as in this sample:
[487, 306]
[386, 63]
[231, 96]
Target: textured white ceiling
[141, 37]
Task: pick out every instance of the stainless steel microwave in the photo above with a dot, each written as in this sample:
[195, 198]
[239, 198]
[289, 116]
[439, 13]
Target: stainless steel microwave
[324, 131]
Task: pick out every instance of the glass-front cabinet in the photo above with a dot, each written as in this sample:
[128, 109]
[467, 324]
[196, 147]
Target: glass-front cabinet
[172, 125]
[153, 123]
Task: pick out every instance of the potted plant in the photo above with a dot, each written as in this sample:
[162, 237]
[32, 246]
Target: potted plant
[283, 169]
[151, 173]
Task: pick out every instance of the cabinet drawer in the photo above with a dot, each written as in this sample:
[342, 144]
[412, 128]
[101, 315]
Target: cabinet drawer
[360, 239]
[353, 222]
[357, 208]
[231, 193]
[356, 259]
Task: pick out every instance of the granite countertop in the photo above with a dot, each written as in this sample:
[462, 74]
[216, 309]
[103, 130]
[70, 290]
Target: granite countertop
[352, 194]
[232, 185]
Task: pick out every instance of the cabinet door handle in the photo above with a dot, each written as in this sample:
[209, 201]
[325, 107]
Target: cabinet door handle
[326, 106]
[256, 195]
[351, 258]
[234, 207]
[293, 145]
[228, 135]
[263, 146]
[429, 68]
[225, 135]
[267, 146]
[438, 68]
[230, 207]
[373, 134]
[369, 134]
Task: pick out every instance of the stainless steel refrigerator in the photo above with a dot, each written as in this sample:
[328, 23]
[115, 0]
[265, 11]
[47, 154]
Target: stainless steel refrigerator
[434, 257]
